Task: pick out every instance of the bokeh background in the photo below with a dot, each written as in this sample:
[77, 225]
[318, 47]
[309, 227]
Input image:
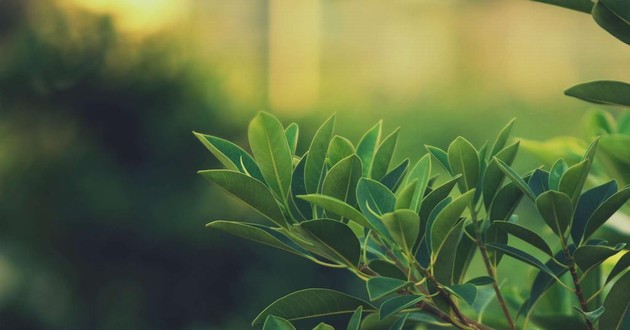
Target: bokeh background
[101, 212]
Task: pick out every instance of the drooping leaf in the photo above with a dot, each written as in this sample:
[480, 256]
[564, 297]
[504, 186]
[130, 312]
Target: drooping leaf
[502, 138]
[400, 323]
[397, 304]
[231, 156]
[557, 171]
[524, 234]
[323, 326]
[481, 280]
[338, 207]
[447, 218]
[339, 148]
[556, 208]
[249, 190]
[518, 181]
[277, 323]
[466, 292]
[622, 264]
[522, 256]
[403, 225]
[355, 319]
[271, 151]
[573, 180]
[463, 159]
[298, 187]
[616, 304]
[387, 269]
[614, 22]
[383, 156]
[312, 303]
[420, 174]
[335, 239]
[592, 316]
[579, 5]
[587, 204]
[539, 181]
[493, 176]
[251, 232]
[292, 133]
[367, 147]
[589, 256]
[315, 161]
[605, 211]
[441, 156]
[341, 180]
[444, 263]
[379, 287]
[374, 200]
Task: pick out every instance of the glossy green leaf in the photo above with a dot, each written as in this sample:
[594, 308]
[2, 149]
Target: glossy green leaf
[524, 234]
[341, 180]
[271, 151]
[481, 280]
[502, 138]
[387, 269]
[298, 187]
[605, 211]
[556, 208]
[379, 287]
[573, 180]
[466, 292]
[615, 23]
[587, 204]
[250, 232]
[441, 156]
[277, 323]
[249, 190]
[323, 326]
[579, 5]
[405, 195]
[355, 319]
[447, 218]
[622, 265]
[338, 149]
[315, 161]
[383, 156]
[400, 323]
[493, 176]
[522, 256]
[394, 178]
[443, 266]
[292, 133]
[420, 174]
[335, 239]
[430, 201]
[539, 181]
[403, 225]
[463, 159]
[374, 200]
[616, 304]
[338, 207]
[312, 303]
[557, 171]
[592, 316]
[366, 149]
[589, 256]
[518, 181]
[397, 304]
[231, 156]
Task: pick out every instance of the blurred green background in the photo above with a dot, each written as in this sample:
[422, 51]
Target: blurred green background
[101, 213]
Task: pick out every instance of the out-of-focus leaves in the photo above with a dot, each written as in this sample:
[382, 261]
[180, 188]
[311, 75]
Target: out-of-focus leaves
[316, 159]
[616, 145]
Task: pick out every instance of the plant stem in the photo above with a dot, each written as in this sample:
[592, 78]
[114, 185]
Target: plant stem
[578, 288]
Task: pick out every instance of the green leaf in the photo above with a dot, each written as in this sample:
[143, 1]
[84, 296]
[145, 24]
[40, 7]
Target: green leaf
[518, 181]
[597, 123]
[367, 147]
[441, 156]
[620, 7]
[615, 23]
[277, 323]
[231, 156]
[403, 225]
[505, 202]
[555, 207]
[605, 211]
[374, 200]
[493, 176]
[481, 280]
[616, 304]
[522, 256]
[615, 146]
[335, 239]
[298, 187]
[341, 181]
[593, 315]
[430, 202]
[466, 292]
[397, 304]
[339, 149]
[557, 171]
[420, 174]
[587, 204]
[312, 303]
[524, 234]
[323, 326]
[622, 265]
[579, 5]
[447, 218]
[589, 256]
[315, 161]
[249, 190]
[271, 151]
[573, 180]
[338, 207]
[539, 181]
[383, 156]
[400, 323]
[292, 132]
[393, 179]
[251, 232]
[502, 138]
[405, 195]
[463, 159]
[464, 254]
[443, 266]
[379, 287]
[355, 319]
[387, 269]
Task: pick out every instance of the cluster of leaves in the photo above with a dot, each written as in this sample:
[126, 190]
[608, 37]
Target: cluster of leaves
[411, 239]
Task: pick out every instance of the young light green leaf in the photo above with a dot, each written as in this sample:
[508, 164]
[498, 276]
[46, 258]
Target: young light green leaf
[315, 161]
[338, 207]
[374, 200]
[335, 239]
[249, 190]
[493, 176]
[616, 305]
[394, 178]
[292, 132]
[312, 303]
[518, 181]
[556, 208]
[589, 256]
[420, 174]
[463, 159]
[592, 316]
[277, 323]
[339, 148]
[231, 156]
[573, 180]
[466, 292]
[579, 5]
[622, 265]
[502, 138]
[383, 156]
[403, 225]
[441, 156]
[615, 23]
[323, 326]
[367, 147]
[397, 304]
[522, 256]
[605, 211]
[525, 234]
[251, 232]
[379, 287]
[341, 180]
[355, 319]
[271, 151]
[557, 171]
[447, 218]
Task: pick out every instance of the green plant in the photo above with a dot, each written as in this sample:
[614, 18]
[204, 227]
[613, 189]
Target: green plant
[413, 240]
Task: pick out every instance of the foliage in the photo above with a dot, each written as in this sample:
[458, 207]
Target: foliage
[412, 239]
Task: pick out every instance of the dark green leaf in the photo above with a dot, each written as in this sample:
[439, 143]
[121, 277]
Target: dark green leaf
[335, 239]
[431, 201]
[481, 280]
[277, 323]
[589, 256]
[524, 234]
[312, 303]
[441, 156]
[397, 304]
[420, 174]
[298, 187]
[315, 161]
[403, 225]
[251, 232]
[522, 256]
[367, 147]
[338, 207]
[555, 207]
[557, 170]
[374, 200]
[463, 159]
[379, 287]
[447, 218]
[355, 319]
[622, 264]
[616, 146]
[573, 180]
[387, 269]
[383, 156]
[579, 5]
[464, 254]
[539, 182]
[616, 304]
[339, 149]
[605, 211]
[292, 132]
[502, 139]
[341, 180]
[505, 202]
[493, 176]
[443, 266]
[249, 190]
[587, 204]
[393, 179]
[518, 181]
[466, 292]
[271, 151]
[615, 24]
